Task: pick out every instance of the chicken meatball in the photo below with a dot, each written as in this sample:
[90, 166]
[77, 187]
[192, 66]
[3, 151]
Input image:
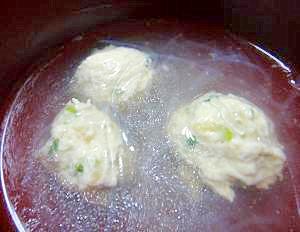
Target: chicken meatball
[86, 147]
[228, 140]
[114, 75]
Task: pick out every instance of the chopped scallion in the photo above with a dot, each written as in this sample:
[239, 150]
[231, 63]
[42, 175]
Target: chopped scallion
[79, 168]
[210, 97]
[228, 134]
[225, 132]
[191, 141]
[71, 109]
[54, 147]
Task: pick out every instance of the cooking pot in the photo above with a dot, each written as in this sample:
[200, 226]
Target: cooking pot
[29, 28]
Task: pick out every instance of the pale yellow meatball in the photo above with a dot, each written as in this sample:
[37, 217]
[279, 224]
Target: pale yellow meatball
[113, 74]
[86, 147]
[228, 140]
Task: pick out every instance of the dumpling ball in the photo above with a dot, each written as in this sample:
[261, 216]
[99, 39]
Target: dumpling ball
[113, 74]
[86, 147]
[228, 140]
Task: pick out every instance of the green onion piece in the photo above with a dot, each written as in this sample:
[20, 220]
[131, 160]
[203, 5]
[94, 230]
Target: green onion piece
[228, 134]
[191, 141]
[79, 168]
[225, 132]
[210, 97]
[71, 108]
[54, 147]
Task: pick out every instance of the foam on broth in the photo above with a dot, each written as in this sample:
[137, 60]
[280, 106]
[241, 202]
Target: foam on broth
[158, 200]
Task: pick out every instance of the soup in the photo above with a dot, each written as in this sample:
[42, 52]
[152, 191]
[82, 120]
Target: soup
[188, 61]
